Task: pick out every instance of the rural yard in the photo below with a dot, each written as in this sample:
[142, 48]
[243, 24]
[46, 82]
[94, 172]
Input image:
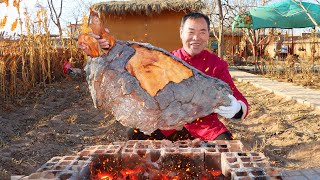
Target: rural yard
[46, 109]
[60, 120]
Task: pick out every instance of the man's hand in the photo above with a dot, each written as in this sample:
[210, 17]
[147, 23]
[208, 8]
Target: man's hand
[104, 44]
[229, 111]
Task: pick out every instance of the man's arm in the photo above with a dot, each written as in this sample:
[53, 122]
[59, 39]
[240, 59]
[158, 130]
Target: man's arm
[239, 104]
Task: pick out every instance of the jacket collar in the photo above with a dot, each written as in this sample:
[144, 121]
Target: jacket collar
[186, 55]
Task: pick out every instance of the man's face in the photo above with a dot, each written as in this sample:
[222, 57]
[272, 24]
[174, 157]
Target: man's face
[194, 35]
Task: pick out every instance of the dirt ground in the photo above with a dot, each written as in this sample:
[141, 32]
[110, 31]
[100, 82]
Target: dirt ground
[285, 131]
[60, 120]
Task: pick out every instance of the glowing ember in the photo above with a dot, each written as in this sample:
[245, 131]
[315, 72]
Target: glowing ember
[128, 172]
[215, 173]
[105, 176]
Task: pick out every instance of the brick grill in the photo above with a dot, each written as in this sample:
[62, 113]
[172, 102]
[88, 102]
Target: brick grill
[148, 159]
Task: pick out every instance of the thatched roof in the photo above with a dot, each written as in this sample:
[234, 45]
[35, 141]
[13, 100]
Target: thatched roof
[147, 7]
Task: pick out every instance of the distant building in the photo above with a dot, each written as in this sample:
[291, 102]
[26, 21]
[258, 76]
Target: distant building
[231, 40]
[304, 45]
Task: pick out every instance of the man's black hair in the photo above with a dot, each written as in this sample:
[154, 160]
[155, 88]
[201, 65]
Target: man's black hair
[195, 15]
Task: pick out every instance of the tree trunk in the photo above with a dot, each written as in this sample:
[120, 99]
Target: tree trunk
[55, 17]
[220, 38]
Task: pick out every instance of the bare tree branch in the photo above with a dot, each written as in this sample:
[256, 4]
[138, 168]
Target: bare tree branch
[55, 17]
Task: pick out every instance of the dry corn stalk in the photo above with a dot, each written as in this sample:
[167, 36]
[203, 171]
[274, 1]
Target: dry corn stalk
[14, 25]
[3, 22]
[2, 76]
[13, 76]
[6, 2]
[85, 25]
[16, 4]
[33, 59]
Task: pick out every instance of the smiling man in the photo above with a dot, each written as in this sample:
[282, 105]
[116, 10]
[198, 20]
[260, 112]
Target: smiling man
[194, 33]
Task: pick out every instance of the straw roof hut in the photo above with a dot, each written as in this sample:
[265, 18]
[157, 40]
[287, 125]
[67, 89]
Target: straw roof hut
[153, 21]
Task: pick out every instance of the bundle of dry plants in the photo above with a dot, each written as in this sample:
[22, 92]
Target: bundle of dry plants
[33, 59]
[293, 69]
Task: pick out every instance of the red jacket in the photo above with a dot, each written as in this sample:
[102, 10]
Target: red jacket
[209, 127]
